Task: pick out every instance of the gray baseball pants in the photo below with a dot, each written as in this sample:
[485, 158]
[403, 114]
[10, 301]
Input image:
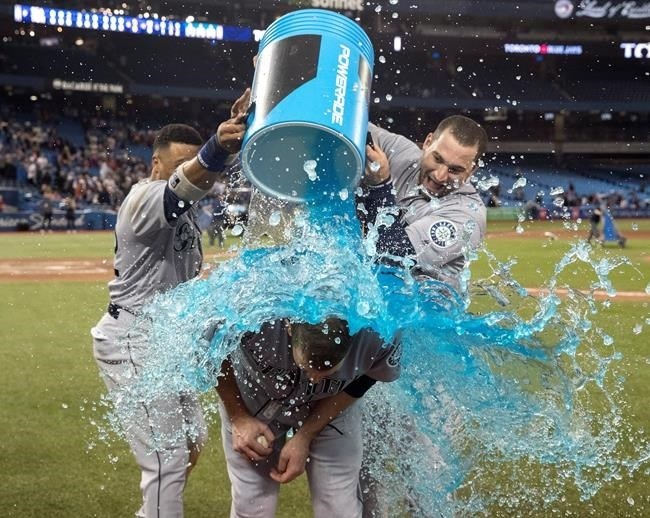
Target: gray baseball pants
[332, 471]
[156, 430]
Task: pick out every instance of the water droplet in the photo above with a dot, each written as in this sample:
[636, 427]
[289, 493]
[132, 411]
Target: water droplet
[607, 340]
[393, 2]
[343, 194]
[630, 500]
[637, 329]
[635, 227]
[459, 69]
[63, 405]
[556, 191]
[378, 9]
[374, 166]
[389, 97]
[521, 182]
[277, 158]
[310, 168]
[519, 229]
[485, 184]
[275, 218]
[363, 308]
[382, 59]
[647, 288]
[237, 230]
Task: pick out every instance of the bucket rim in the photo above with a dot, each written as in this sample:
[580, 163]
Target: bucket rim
[270, 35]
[287, 197]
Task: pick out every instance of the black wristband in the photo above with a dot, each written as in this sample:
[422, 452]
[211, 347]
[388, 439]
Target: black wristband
[359, 386]
[212, 156]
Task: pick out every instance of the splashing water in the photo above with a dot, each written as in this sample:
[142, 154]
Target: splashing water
[531, 384]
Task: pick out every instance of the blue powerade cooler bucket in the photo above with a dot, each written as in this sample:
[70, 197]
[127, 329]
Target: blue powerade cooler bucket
[308, 119]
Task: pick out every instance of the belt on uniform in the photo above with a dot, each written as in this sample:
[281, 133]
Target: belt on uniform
[114, 310]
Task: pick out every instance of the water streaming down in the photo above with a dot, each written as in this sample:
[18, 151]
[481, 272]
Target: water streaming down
[527, 380]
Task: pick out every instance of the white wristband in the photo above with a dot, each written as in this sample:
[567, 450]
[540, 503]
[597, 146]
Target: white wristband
[183, 188]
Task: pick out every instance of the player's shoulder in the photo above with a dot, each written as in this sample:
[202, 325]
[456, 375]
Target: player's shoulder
[143, 189]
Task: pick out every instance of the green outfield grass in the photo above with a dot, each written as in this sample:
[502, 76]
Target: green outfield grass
[55, 466]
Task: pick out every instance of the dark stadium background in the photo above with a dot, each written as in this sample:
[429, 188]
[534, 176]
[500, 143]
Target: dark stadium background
[563, 105]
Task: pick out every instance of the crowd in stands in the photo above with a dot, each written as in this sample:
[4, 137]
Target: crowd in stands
[108, 154]
[35, 156]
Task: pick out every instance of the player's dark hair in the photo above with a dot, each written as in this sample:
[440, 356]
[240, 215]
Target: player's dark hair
[323, 345]
[179, 133]
[465, 130]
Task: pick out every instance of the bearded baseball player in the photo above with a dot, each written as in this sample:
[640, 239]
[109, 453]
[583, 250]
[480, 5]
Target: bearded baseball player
[442, 217]
[307, 379]
[158, 247]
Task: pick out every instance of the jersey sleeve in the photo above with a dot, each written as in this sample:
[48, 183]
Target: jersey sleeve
[376, 202]
[387, 363]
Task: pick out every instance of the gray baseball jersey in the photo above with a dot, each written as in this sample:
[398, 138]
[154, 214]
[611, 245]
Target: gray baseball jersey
[442, 230]
[276, 391]
[152, 254]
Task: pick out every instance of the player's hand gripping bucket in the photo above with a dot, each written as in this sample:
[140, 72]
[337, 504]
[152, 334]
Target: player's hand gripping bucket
[309, 107]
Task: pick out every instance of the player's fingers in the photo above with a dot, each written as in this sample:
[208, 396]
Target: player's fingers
[259, 447]
[240, 105]
[371, 154]
[283, 460]
[229, 127]
[250, 454]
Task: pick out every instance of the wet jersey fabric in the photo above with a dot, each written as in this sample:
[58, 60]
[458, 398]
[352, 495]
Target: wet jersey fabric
[275, 389]
[155, 249]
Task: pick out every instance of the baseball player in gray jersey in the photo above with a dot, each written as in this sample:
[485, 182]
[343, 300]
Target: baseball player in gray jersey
[440, 219]
[442, 216]
[158, 247]
[307, 378]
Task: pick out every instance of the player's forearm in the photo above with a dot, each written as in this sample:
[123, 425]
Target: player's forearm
[229, 392]
[198, 175]
[324, 412]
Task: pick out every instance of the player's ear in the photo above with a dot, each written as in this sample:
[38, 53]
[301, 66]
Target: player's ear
[155, 166]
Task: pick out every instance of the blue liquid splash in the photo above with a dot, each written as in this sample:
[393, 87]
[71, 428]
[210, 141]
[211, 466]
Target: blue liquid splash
[532, 385]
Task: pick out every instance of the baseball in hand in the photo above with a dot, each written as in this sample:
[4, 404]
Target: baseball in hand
[262, 440]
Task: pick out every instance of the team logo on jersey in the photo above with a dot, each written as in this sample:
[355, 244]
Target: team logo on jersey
[185, 237]
[443, 233]
[395, 356]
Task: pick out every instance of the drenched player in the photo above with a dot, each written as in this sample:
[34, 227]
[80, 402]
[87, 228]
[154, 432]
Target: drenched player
[308, 379]
[442, 217]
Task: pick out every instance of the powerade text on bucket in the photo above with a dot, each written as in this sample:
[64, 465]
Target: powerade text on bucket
[309, 107]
